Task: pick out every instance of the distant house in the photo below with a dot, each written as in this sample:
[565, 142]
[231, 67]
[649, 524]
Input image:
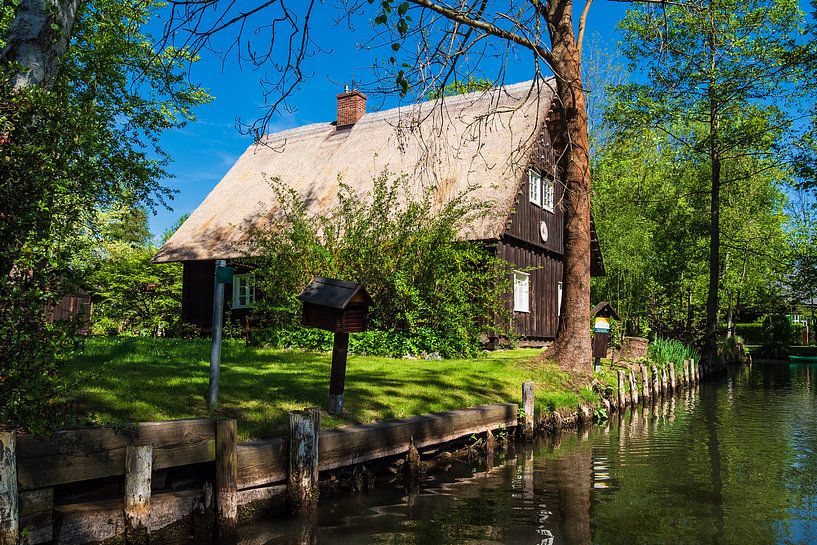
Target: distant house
[497, 145]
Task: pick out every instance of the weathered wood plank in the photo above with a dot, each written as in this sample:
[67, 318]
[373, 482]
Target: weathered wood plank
[138, 471]
[262, 463]
[78, 455]
[302, 481]
[528, 405]
[37, 515]
[9, 501]
[226, 488]
[100, 521]
[357, 444]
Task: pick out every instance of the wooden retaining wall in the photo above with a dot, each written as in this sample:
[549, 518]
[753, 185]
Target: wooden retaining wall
[253, 471]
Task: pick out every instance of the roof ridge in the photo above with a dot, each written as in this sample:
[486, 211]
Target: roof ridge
[368, 117]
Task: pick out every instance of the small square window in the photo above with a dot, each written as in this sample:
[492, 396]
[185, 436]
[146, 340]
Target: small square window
[243, 290]
[535, 187]
[521, 291]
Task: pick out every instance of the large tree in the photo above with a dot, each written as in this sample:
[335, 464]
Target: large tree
[84, 96]
[725, 73]
[429, 44]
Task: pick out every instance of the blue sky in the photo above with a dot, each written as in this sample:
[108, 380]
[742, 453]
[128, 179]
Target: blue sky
[203, 151]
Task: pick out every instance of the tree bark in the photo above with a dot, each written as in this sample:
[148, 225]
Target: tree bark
[572, 346]
[37, 40]
[710, 337]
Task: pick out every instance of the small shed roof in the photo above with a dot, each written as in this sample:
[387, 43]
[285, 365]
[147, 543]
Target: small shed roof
[604, 305]
[333, 293]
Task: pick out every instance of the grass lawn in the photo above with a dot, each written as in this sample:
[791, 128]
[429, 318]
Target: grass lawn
[141, 379]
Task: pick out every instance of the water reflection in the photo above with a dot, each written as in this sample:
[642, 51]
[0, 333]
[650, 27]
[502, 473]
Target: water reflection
[732, 462]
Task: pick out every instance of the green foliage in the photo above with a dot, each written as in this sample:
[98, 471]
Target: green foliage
[777, 335]
[90, 142]
[430, 290]
[663, 352]
[132, 295]
[705, 71]
[394, 344]
[461, 87]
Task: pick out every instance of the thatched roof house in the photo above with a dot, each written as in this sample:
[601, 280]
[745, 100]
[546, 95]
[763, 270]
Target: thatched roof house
[495, 144]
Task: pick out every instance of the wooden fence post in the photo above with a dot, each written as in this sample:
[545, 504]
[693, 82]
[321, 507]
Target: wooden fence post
[645, 384]
[226, 474]
[656, 383]
[693, 371]
[528, 407]
[622, 394]
[138, 470]
[9, 500]
[673, 386]
[633, 389]
[686, 373]
[302, 477]
[664, 381]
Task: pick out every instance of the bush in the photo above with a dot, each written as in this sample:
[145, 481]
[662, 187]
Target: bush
[662, 352]
[431, 291]
[394, 344]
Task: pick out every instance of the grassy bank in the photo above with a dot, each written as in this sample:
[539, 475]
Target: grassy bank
[138, 379]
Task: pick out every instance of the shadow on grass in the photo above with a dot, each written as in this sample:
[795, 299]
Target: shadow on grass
[136, 379]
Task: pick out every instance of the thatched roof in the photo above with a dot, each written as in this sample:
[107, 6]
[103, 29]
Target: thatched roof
[479, 142]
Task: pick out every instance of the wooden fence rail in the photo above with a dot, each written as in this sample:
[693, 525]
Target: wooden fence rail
[243, 470]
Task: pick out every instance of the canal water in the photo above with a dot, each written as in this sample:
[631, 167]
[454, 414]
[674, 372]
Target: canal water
[733, 462]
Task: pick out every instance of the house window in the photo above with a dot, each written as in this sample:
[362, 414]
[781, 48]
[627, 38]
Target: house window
[243, 290]
[559, 301]
[521, 292]
[535, 188]
[548, 194]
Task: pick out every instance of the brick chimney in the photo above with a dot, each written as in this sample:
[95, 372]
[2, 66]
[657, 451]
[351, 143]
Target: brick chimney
[351, 107]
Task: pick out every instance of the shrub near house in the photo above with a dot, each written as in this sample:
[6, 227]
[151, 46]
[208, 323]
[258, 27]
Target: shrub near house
[432, 292]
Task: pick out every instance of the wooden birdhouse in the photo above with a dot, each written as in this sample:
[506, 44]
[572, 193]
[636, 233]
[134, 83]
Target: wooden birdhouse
[335, 305]
[601, 314]
[340, 307]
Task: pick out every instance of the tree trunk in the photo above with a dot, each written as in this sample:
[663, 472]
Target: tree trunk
[710, 338]
[572, 346]
[37, 40]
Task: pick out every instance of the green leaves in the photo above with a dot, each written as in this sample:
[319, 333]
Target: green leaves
[403, 249]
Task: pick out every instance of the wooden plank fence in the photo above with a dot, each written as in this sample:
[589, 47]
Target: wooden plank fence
[242, 470]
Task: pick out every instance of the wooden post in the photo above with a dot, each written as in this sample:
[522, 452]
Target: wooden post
[686, 374]
[693, 371]
[337, 379]
[645, 384]
[412, 469]
[226, 488]
[528, 408]
[215, 347]
[302, 478]
[9, 501]
[138, 470]
[622, 394]
[664, 382]
[633, 389]
[656, 383]
[490, 448]
[673, 386]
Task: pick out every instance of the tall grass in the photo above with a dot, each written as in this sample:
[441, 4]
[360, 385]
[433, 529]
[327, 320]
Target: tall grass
[662, 352]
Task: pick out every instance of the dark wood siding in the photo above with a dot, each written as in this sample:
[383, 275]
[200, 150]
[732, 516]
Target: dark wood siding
[197, 293]
[525, 218]
[545, 271]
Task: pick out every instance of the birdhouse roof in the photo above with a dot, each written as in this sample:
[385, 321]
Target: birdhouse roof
[604, 308]
[333, 293]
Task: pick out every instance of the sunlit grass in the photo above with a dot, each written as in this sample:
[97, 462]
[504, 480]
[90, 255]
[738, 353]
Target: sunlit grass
[138, 379]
